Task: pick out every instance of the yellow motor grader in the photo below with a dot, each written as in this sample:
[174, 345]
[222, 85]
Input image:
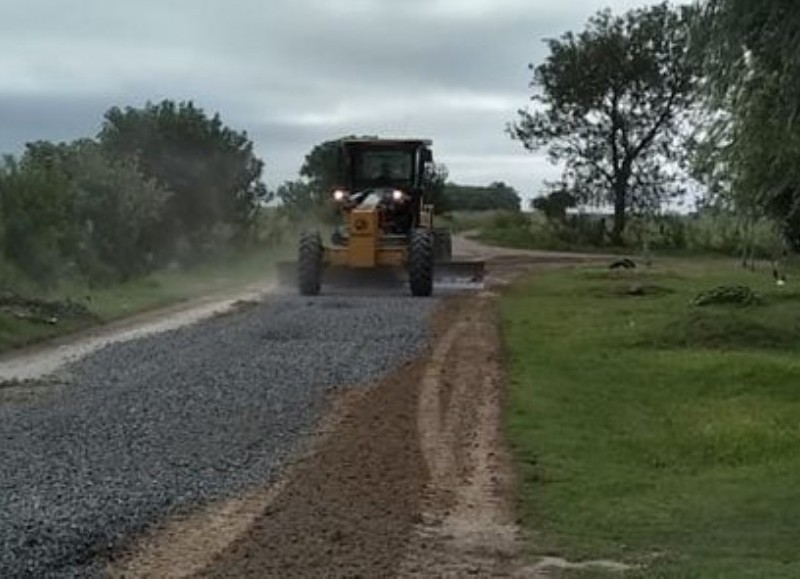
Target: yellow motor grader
[386, 222]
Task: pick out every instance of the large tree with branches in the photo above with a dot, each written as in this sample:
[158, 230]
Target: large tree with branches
[611, 103]
[750, 151]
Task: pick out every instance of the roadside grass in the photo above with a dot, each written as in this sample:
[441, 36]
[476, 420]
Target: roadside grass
[160, 289]
[654, 432]
[528, 232]
[531, 231]
[669, 235]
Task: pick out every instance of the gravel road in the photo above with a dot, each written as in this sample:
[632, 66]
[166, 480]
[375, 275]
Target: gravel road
[143, 428]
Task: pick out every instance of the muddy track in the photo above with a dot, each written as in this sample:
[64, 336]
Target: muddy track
[467, 524]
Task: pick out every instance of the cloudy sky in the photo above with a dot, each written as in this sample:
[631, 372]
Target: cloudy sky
[292, 73]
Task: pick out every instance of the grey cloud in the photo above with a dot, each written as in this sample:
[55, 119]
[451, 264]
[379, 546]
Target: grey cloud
[50, 118]
[290, 72]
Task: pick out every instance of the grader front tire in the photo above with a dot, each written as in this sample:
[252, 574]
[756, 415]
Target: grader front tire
[309, 265]
[420, 263]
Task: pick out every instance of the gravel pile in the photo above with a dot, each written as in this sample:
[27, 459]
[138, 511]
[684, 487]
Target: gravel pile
[147, 427]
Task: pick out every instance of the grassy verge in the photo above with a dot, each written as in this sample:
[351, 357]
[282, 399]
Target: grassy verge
[522, 238]
[650, 431]
[156, 290]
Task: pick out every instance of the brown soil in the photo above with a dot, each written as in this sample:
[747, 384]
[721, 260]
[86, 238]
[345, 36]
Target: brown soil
[349, 508]
[467, 527]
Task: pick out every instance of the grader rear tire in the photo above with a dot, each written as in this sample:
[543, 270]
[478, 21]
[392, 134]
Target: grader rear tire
[309, 264]
[420, 263]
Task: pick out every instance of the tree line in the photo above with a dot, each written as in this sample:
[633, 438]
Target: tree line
[639, 107]
[158, 183]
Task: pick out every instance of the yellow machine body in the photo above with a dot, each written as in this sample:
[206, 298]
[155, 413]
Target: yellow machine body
[365, 248]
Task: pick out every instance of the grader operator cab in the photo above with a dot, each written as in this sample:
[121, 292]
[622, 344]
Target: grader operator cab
[386, 222]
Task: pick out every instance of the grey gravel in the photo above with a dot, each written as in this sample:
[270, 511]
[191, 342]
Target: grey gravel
[149, 427]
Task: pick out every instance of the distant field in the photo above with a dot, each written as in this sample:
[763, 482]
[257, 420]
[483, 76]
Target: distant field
[675, 235]
[461, 221]
[650, 431]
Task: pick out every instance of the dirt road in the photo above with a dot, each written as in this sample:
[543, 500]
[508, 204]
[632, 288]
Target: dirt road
[407, 478]
[37, 361]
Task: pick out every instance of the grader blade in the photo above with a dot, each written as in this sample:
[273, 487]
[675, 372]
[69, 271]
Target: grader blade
[449, 275]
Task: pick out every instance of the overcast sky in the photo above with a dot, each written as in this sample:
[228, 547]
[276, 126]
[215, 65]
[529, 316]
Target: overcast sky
[292, 73]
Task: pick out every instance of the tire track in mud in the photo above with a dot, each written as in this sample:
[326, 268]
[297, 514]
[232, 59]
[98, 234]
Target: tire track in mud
[467, 524]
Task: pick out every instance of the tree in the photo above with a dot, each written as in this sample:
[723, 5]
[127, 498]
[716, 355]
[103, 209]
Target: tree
[555, 205]
[323, 168]
[119, 211]
[212, 170]
[35, 206]
[496, 196]
[749, 154]
[321, 173]
[437, 189]
[70, 207]
[611, 103]
[298, 199]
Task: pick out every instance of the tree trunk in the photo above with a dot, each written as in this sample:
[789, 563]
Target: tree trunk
[620, 215]
[621, 182]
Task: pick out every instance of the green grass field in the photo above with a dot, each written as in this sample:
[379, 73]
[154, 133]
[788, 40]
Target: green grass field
[653, 432]
[157, 290]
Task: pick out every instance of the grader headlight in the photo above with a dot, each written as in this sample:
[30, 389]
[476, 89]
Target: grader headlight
[340, 195]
